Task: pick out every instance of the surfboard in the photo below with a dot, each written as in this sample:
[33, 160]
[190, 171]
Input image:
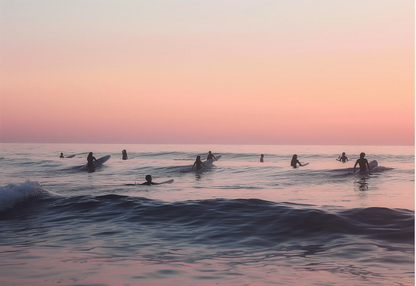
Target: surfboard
[207, 163]
[167, 182]
[102, 160]
[210, 161]
[373, 164]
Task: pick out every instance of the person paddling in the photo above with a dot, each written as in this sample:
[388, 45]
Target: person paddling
[91, 160]
[363, 163]
[124, 154]
[343, 158]
[149, 181]
[295, 161]
[211, 156]
[198, 163]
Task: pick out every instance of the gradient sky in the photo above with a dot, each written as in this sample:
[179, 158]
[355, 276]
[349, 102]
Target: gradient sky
[218, 71]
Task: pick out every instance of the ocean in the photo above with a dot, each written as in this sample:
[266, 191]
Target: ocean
[236, 222]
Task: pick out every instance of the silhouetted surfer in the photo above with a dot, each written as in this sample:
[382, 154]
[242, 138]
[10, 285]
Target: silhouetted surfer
[198, 163]
[261, 158]
[149, 181]
[343, 158]
[124, 154]
[363, 163]
[91, 160]
[211, 156]
[62, 155]
[295, 161]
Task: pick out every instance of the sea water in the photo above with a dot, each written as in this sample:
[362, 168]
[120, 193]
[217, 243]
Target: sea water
[238, 222]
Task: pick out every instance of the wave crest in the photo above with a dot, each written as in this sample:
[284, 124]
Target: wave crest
[13, 194]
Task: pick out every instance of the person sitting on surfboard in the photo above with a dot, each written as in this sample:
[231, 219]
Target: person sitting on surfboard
[295, 161]
[62, 155]
[91, 160]
[363, 163]
[261, 158]
[210, 156]
[343, 158]
[124, 154]
[198, 163]
[149, 181]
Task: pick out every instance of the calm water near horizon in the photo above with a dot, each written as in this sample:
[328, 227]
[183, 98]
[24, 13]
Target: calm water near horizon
[238, 222]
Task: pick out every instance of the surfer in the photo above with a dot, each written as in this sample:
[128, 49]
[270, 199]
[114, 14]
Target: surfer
[91, 160]
[198, 163]
[363, 163]
[295, 161]
[62, 155]
[343, 158]
[210, 156]
[149, 181]
[124, 154]
[261, 158]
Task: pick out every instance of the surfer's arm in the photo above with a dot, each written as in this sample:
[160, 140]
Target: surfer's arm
[299, 163]
[96, 160]
[355, 166]
[193, 166]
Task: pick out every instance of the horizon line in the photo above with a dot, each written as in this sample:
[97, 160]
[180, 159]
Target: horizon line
[253, 144]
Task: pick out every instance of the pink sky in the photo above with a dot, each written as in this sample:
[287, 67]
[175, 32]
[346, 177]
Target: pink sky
[310, 72]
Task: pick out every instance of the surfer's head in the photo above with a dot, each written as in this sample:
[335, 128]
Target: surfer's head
[343, 153]
[294, 157]
[198, 157]
[362, 155]
[149, 178]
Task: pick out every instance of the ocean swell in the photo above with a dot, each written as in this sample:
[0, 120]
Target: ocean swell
[233, 222]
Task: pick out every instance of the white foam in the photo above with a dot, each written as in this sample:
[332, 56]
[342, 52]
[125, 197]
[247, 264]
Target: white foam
[13, 194]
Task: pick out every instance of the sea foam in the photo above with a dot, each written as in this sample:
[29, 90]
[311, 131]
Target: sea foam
[13, 194]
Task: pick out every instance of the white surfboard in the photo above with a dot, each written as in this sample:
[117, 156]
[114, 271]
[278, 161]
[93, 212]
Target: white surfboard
[211, 161]
[207, 163]
[373, 164]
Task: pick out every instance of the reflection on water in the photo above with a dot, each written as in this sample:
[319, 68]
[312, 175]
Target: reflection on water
[361, 184]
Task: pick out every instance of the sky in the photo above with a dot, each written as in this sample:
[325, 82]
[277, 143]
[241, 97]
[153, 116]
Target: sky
[207, 72]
